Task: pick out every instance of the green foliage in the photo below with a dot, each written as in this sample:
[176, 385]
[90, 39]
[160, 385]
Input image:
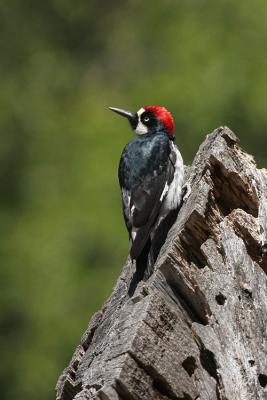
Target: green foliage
[63, 239]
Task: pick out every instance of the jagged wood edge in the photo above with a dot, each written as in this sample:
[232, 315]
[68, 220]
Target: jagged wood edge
[176, 338]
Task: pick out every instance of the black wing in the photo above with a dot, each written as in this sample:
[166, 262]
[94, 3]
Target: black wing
[147, 208]
[142, 204]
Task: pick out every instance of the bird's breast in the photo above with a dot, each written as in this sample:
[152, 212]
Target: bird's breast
[141, 157]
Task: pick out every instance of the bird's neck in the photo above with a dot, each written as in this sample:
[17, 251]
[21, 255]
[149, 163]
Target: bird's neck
[155, 132]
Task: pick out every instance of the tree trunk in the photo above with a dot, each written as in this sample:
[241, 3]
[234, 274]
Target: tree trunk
[197, 327]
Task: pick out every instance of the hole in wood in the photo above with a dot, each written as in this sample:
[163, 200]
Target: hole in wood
[220, 298]
[231, 192]
[262, 379]
[208, 362]
[243, 225]
[189, 364]
[195, 233]
[197, 310]
[70, 390]
[248, 293]
[251, 363]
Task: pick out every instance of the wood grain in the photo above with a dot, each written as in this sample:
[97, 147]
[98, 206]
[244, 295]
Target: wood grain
[197, 327]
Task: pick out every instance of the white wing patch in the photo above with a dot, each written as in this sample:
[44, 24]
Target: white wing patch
[134, 233]
[129, 211]
[165, 190]
[132, 211]
[126, 199]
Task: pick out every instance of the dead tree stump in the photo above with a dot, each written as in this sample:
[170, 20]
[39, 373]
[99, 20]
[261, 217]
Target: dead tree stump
[197, 328]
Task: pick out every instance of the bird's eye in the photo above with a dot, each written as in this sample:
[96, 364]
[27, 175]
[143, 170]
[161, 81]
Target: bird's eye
[146, 119]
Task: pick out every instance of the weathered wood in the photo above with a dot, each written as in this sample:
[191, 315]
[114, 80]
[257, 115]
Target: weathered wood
[197, 328]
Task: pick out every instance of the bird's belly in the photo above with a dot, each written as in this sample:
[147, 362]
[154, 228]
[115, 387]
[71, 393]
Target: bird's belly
[174, 194]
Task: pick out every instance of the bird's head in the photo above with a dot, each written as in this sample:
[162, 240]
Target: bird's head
[149, 119]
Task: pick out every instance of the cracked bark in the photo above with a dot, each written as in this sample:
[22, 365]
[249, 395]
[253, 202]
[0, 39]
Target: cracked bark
[196, 328]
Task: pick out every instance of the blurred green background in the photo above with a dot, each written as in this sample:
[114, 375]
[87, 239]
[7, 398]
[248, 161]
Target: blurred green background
[63, 240]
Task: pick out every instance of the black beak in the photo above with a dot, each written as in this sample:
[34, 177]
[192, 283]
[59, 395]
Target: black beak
[132, 117]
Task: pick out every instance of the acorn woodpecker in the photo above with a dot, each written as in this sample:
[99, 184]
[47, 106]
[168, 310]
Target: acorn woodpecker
[151, 174]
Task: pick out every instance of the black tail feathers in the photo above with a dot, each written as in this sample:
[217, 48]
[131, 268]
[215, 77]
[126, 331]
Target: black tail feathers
[147, 257]
[141, 265]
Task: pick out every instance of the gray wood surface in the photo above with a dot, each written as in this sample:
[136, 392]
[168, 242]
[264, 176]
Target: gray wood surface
[197, 327]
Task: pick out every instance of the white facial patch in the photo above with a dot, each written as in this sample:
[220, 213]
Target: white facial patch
[141, 129]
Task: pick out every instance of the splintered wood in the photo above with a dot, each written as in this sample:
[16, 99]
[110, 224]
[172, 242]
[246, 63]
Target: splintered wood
[197, 327]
